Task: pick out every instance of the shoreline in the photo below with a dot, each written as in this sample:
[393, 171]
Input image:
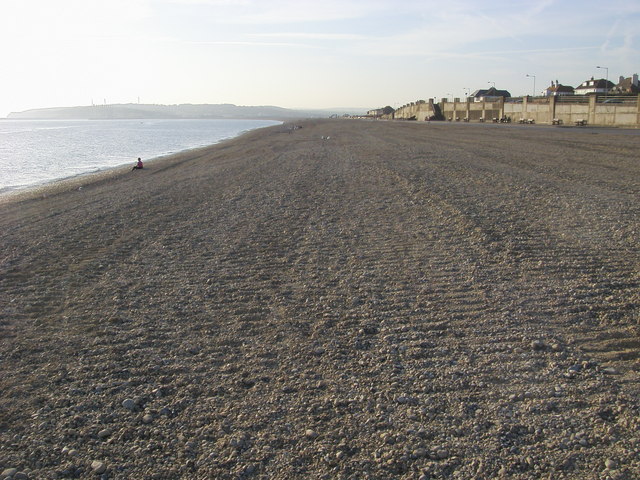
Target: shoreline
[351, 299]
[63, 184]
[11, 189]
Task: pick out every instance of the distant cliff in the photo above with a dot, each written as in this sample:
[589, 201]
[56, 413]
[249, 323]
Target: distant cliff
[133, 110]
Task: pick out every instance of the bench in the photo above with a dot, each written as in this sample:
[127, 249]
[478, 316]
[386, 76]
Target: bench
[580, 123]
[556, 121]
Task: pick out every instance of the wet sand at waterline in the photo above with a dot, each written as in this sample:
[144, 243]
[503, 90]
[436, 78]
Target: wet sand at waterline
[399, 300]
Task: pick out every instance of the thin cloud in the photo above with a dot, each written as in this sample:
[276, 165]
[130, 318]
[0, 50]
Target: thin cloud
[309, 35]
[610, 35]
[492, 54]
[242, 43]
[251, 44]
[210, 3]
[538, 7]
[447, 34]
[290, 12]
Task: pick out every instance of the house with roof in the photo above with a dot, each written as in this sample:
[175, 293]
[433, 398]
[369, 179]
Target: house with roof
[627, 86]
[557, 89]
[592, 86]
[490, 94]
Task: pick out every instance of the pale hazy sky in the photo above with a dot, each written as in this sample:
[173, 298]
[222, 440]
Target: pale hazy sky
[304, 53]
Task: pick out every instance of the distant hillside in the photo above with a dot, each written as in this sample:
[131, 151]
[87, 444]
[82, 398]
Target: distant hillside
[133, 110]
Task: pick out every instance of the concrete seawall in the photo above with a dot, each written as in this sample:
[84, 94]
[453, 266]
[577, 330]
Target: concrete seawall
[619, 111]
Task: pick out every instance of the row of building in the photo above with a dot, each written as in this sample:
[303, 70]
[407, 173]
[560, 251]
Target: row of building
[625, 86]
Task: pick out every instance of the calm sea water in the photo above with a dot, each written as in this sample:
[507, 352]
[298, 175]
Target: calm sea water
[33, 152]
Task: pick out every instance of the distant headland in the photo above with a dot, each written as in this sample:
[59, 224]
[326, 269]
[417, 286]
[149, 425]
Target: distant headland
[186, 111]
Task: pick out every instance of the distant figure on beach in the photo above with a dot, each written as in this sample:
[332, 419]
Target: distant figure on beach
[138, 166]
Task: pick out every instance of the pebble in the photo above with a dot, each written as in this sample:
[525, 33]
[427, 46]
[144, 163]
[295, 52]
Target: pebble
[158, 392]
[370, 330]
[13, 474]
[538, 345]
[311, 434]
[247, 383]
[129, 404]
[148, 418]
[420, 452]
[441, 454]
[388, 438]
[104, 433]
[98, 467]
[250, 469]
[610, 464]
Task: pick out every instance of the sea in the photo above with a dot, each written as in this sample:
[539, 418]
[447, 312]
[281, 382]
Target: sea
[35, 152]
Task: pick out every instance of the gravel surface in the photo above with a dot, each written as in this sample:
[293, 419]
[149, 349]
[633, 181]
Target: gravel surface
[346, 300]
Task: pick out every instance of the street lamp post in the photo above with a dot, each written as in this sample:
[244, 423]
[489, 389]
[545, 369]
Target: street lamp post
[606, 85]
[534, 84]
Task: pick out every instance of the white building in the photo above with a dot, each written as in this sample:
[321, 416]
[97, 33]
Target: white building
[594, 86]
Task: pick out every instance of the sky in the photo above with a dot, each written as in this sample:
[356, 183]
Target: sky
[359, 54]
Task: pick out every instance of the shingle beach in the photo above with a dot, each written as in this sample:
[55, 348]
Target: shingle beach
[346, 300]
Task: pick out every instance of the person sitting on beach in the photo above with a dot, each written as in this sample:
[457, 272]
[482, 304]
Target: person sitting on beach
[138, 166]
